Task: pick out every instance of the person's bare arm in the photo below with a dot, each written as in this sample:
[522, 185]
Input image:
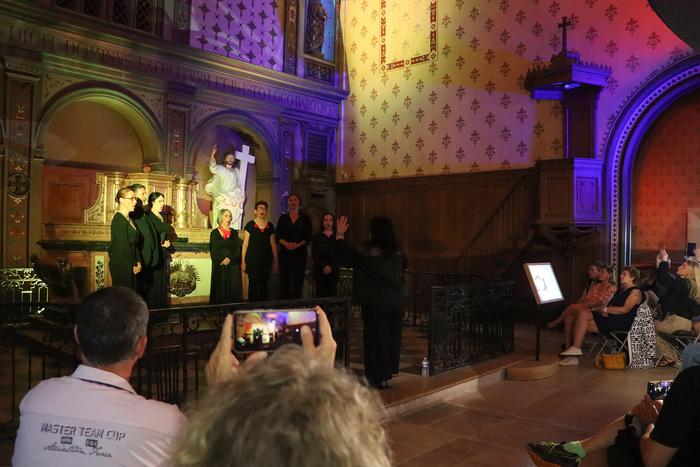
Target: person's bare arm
[244, 250]
[273, 245]
[655, 454]
[212, 159]
[633, 300]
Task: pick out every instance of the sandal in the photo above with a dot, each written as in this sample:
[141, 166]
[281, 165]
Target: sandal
[667, 362]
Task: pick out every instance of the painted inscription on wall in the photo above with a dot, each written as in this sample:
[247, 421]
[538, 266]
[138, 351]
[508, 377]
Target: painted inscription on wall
[122, 58]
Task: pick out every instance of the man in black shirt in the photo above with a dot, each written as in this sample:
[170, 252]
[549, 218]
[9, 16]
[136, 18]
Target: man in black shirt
[654, 433]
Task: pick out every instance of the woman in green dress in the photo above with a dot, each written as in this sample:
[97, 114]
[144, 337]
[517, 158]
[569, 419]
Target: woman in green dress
[124, 255]
[225, 251]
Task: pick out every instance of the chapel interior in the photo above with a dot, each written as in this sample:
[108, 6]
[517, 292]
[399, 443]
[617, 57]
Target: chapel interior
[493, 134]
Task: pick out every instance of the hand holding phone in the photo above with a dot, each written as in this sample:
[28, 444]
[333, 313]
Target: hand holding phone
[324, 352]
[268, 330]
[223, 365]
[658, 390]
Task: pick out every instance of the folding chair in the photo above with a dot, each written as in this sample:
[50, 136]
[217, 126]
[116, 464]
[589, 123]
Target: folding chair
[678, 340]
[638, 343]
[614, 342]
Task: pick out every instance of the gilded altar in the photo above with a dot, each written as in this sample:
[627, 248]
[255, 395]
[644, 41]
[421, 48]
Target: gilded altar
[83, 246]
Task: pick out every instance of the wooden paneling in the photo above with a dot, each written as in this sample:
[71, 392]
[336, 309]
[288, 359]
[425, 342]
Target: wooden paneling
[66, 193]
[434, 217]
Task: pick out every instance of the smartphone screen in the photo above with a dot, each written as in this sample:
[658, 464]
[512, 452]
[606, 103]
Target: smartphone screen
[690, 248]
[657, 390]
[270, 329]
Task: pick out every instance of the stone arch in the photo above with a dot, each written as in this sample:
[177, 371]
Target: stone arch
[264, 147]
[140, 119]
[636, 117]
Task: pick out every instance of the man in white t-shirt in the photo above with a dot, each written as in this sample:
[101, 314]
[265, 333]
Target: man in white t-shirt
[94, 417]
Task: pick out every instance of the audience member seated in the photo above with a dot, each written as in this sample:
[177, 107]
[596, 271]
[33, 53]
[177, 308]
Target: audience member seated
[653, 434]
[292, 409]
[599, 291]
[679, 305]
[691, 356]
[94, 417]
[618, 315]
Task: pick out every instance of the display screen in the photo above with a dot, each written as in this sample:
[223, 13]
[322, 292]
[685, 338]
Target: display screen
[543, 282]
[270, 329]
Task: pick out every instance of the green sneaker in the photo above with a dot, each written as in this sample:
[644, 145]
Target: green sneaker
[552, 455]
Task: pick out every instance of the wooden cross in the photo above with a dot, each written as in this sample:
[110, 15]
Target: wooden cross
[246, 158]
[564, 23]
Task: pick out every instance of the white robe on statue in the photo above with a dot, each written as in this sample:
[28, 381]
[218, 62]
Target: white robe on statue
[227, 193]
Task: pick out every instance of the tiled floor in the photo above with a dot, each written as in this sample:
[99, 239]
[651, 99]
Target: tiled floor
[490, 425]
[473, 417]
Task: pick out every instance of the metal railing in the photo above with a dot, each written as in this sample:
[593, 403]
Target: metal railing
[469, 323]
[36, 345]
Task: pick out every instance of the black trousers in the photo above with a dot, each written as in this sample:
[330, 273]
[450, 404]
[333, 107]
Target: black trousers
[382, 341]
[325, 285]
[292, 269]
[258, 278]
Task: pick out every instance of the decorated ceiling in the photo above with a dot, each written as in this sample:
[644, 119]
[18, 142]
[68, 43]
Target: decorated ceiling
[436, 86]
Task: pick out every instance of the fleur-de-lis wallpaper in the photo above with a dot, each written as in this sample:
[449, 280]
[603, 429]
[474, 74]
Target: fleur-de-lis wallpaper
[250, 31]
[436, 86]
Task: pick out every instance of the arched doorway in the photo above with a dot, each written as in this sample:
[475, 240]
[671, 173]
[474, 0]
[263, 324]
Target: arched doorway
[635, 119]
[664, 193]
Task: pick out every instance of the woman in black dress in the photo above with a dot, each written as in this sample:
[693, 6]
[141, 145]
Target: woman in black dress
[225, 250]
[259, 249]
[379, 288]
[326, 265]
[153, 230]
[618, 315]
[293, 235]
[156, 296]
[124, 256]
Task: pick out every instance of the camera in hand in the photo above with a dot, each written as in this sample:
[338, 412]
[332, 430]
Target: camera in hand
[657, 390]
[268, 330]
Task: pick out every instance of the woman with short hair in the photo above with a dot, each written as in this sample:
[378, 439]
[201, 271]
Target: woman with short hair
[225, 252]
[259, 250]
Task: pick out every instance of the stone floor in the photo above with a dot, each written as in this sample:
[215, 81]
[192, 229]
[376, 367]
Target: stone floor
[475, 417]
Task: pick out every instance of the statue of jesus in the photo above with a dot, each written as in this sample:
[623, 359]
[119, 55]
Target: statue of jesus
[227, 185]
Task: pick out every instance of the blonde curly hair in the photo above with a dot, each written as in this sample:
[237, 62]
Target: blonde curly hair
[288, 410]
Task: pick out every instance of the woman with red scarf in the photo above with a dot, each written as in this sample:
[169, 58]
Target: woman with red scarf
[225, 251]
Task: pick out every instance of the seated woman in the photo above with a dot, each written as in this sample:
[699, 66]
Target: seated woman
[598, 295]
[617, 316]
[679, 305]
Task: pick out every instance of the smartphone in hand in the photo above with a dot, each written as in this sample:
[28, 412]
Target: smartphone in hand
[267, 330]
[658, 390]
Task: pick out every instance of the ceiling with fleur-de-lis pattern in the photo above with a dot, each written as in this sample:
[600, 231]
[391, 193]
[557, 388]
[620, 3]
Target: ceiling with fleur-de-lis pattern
[248, 30]
[466, 110]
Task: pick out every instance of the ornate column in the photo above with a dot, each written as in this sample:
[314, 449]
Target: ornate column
[288, 132]
[290, 37]
[178, 104]
[21, 229]
[182, 203]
